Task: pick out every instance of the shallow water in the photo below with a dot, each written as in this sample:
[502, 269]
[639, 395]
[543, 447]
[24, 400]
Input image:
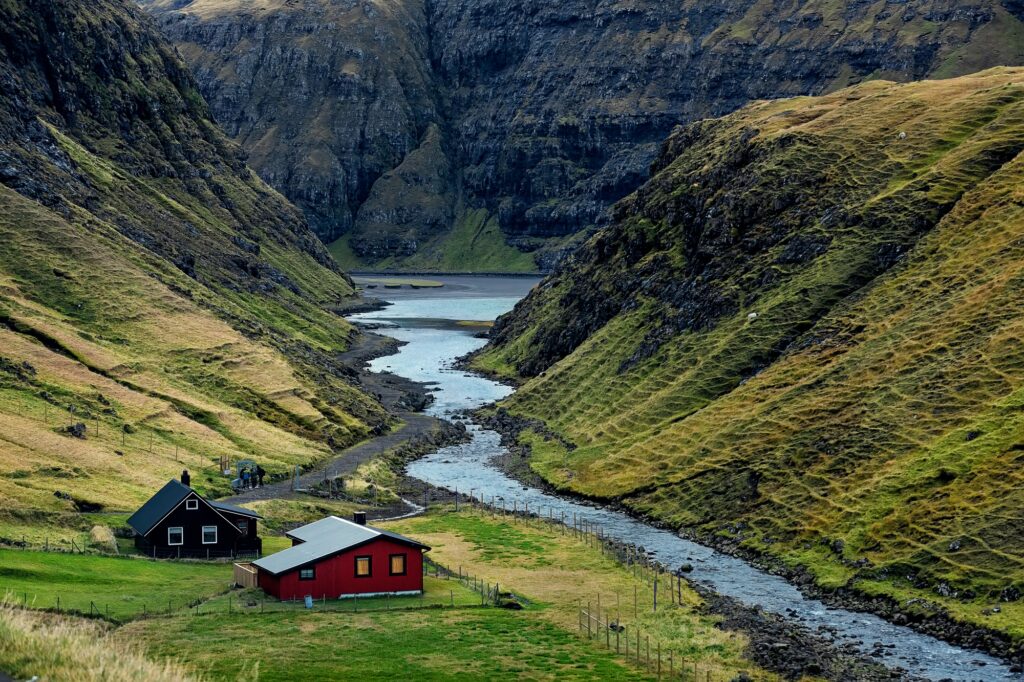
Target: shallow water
[424, 320]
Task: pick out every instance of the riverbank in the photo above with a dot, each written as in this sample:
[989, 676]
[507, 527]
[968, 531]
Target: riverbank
[931, 619]
[425, 322]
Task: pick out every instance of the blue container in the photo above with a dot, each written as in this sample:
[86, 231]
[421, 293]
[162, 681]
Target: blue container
[309, 601]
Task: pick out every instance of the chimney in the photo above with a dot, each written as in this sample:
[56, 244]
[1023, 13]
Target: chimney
[186, 480]
[360, 518]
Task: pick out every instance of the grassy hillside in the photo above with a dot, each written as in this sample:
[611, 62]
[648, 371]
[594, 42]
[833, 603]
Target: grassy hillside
[152, 288]
[474, 244]
[803, 336]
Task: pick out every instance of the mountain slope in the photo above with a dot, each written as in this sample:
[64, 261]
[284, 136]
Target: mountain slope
[803, 336]
[546, 113]
[152, 288]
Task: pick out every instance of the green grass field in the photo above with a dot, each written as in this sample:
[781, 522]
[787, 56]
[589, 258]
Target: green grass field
[124, 588]
[447, 629]
[470, 644]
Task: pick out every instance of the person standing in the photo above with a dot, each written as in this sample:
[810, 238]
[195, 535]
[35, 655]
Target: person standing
[260, 473]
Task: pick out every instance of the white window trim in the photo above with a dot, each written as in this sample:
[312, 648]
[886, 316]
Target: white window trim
[180, 530]
[214, 535]
[191, 504]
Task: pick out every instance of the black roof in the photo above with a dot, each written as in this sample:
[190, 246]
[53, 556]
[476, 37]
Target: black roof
[169, 497]
[234, 510]
[158, 506]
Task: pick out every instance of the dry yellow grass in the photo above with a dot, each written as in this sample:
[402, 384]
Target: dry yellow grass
[560, 573]
[59, 649]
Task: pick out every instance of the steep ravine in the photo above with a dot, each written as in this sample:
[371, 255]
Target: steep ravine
[800, 339]
[545, 113]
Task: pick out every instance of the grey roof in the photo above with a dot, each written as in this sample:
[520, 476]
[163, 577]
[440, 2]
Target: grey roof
[169, 497]
[234, 510]
[322, 539]
[166, 499]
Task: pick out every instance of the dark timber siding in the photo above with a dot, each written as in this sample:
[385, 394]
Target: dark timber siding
[230, 540]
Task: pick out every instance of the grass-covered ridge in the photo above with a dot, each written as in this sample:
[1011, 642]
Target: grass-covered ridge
[152, 287]
[803, 334]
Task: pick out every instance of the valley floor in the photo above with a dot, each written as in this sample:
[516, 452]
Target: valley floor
[185, 614]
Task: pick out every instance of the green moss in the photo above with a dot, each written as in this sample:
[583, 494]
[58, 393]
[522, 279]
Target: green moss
[852, 414]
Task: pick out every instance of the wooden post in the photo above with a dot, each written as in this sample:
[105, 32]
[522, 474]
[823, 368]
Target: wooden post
[635, 596]
[456, 499]
[659, 660]
[588, 621]
[647, 639]
[655, 592]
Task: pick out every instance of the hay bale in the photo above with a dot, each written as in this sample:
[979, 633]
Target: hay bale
[102, 538]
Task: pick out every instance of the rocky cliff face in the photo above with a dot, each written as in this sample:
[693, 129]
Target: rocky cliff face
[548, 112]
[326, 97]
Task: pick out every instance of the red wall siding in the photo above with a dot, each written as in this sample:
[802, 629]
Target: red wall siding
[336, 576]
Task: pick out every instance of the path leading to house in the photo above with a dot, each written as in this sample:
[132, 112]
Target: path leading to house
[402, 397]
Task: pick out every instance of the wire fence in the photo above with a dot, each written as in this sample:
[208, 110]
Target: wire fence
[82, 545]
[662, 589]
[645, 652]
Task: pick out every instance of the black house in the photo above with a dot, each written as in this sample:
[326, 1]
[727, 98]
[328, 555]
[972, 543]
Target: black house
[179, 522]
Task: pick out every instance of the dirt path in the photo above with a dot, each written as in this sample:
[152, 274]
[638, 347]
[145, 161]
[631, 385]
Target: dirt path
[402, 397]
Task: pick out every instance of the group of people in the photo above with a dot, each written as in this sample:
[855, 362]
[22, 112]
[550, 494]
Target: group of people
[252, 477]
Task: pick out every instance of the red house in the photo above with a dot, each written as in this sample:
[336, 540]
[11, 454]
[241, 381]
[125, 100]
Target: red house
[334, 558]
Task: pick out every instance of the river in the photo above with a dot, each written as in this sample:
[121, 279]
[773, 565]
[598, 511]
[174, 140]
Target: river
[426, 320]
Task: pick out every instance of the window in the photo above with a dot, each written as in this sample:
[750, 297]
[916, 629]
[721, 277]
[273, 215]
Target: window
[176, 535]
[397, 564]
[192, 505]
[307, 573]
[243, 526]
[363, 566]
[209, 535]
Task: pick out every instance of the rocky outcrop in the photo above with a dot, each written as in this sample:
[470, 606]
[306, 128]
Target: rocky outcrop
[552, 111]
[326, 97]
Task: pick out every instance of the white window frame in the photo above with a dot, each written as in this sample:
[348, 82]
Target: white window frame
[205, 528]
[181, 532]
[192, 504]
